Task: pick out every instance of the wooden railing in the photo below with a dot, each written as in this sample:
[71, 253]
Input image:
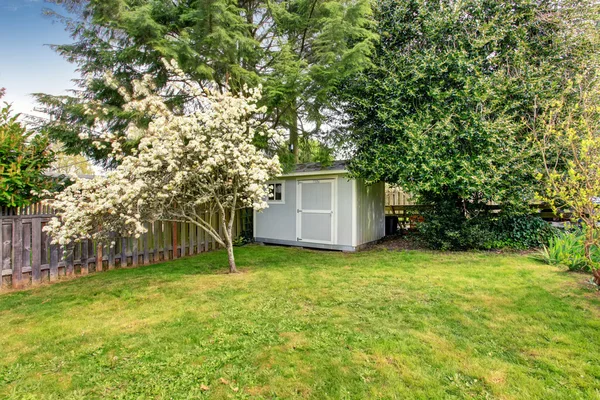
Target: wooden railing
[394, 196]
[27, 257]
[410, 215]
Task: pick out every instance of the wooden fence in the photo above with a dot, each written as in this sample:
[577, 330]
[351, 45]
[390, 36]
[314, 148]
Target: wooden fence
[409, 215]
[27, 257]
[395, 196]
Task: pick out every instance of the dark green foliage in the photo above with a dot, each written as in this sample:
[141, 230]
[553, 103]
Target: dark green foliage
[24, 156]
[446, 227]
[298, 50]
[523, 231]
[447, 111]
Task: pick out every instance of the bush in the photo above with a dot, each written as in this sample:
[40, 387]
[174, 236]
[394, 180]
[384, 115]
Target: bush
[445, 227]
[24, 157]
[524, 231]
[568, 248]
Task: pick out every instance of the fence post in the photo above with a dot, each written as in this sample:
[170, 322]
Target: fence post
[17, 240]
[36, 248]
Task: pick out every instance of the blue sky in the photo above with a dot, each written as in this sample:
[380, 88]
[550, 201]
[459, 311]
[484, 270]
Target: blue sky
[27, 65]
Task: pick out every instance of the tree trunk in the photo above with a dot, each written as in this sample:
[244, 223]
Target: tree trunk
[294, 132]
[230, 257]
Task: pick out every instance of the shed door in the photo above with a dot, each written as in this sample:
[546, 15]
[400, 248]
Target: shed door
[315, 213]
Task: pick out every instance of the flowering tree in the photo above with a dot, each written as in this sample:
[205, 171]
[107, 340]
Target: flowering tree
[193, 157]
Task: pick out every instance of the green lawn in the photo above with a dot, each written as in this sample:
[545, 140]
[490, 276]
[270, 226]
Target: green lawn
[307, 324]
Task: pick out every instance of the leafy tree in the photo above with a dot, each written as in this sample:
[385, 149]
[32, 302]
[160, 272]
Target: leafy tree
[569, 140]
[24, 156]
[447, 110]
[298, 50]
[190, 160]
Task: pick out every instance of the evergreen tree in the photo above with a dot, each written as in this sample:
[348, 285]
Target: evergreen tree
[298, 50]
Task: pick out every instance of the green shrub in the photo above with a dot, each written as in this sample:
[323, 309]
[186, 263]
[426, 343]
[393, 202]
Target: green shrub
[445, 227]
[524, 231]
[568, 248]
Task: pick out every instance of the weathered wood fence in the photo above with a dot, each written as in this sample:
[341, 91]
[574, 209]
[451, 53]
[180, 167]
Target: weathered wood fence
[409, 215]
[395, 196]
[27, 257]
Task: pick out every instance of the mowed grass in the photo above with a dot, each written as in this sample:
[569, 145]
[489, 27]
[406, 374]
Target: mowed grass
[307, 324]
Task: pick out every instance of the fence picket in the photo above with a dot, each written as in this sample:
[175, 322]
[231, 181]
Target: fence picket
[123, 260]
[6, 244]
[184, 239]
[198, 239]
[26, 244]
[111, 252]
[145, 239]
[85, 256]
[69, 260]
[17, 242]
[36, 248]
[99, 257]
[205, 233]
[156, 242]
[166, 240]
[134, 252]
[54, 262]
[174, 241]
[26, 249]
[191, 238]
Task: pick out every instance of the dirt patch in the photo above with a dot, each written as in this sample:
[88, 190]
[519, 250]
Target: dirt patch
[409, 240]
[400, 242]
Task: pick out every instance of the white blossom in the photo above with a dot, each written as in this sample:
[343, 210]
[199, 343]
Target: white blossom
[201, 158]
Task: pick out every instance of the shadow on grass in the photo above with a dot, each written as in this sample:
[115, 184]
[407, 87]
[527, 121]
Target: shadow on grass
[121, 282]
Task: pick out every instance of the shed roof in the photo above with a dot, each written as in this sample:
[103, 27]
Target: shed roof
[337, 166]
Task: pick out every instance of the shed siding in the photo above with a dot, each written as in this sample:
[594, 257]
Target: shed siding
[344, 211]
[279, 220]
[370, 212]
[277, 224]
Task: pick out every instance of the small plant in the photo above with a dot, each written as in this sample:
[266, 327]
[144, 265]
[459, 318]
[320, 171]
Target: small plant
[244, 238]
[568, 248]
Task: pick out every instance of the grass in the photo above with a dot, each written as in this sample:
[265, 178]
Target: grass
[307, 324]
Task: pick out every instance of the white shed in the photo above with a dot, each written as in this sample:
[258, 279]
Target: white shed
[321, 207]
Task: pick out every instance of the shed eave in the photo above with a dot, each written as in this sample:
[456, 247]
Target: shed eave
[315, 173]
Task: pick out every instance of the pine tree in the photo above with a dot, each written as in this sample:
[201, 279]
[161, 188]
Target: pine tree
[298, 50]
